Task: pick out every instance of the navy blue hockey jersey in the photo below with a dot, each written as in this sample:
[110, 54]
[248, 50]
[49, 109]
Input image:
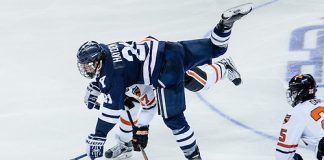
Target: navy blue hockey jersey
[129, 63]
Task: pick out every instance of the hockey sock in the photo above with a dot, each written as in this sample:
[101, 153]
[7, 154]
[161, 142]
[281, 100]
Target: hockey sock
[183, 133]
[125, 127]
[215, 72]
[186, 140]
[220, 37]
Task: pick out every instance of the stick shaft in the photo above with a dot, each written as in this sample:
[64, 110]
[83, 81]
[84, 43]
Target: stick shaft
[80, 157]
[133, 126]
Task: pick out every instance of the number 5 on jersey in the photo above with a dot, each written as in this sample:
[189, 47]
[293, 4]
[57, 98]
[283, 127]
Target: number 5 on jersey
[282, 137]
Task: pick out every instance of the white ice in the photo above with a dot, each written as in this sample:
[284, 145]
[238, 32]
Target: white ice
[42, 115]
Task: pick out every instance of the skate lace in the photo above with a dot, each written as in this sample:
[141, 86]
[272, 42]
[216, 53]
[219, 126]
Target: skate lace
[119, 148]
[231, 75]
[232, 72]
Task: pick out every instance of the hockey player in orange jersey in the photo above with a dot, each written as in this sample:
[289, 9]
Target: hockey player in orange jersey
[304, 122]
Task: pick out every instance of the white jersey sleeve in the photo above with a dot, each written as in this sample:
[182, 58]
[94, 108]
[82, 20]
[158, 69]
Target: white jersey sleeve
[291, 133]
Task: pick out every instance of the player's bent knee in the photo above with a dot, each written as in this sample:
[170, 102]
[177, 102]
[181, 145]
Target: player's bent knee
[176, 122]
[195, 79]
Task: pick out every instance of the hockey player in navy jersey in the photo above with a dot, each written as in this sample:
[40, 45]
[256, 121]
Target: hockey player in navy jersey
[304, 122]
[152, 72]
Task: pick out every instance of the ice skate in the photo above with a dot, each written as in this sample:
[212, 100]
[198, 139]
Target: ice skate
[195, 155]
[122, 150]
[232, 73]
[233, 14]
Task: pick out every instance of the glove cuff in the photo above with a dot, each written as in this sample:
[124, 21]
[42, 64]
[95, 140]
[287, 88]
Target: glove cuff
[94, 140]
[145, 127]
[93, 91]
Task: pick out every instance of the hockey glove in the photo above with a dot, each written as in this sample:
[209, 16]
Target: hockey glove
[140, 137]
[297, 157]
[92, 93]
[95, 146]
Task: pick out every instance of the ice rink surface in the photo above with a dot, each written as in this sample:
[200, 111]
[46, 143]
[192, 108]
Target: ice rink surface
[42, 112]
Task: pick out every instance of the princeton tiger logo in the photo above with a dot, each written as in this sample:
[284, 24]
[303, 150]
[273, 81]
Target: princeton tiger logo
[286, 119]
[136, 91]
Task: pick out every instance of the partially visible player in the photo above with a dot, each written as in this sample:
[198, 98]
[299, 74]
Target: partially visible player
[304, 122]
[196, 79]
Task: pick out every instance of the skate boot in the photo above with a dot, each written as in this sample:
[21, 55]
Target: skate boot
[233, 14]
[122, 150]
[195, 155]
[232, 73]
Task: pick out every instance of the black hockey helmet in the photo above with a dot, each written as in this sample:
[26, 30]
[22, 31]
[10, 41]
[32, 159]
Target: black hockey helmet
[302, 87]
[90, 56]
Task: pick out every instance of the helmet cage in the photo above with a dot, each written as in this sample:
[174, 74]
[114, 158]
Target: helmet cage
[292, 97]
[90, 70]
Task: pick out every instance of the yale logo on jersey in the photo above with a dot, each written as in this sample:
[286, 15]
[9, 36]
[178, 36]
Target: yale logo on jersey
[116, 56]
[286, 119]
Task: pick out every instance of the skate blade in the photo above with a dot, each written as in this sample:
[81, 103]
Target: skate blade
[242, 9]
[123, 156]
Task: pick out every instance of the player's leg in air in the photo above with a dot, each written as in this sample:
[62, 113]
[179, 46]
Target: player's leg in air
[203, 77]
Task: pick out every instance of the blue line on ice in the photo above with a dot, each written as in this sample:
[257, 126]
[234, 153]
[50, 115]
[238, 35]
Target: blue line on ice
[229, 118]
[236, 122]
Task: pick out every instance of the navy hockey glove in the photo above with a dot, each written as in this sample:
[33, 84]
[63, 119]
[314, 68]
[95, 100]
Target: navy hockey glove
[95, 146]
[140, 137]
[297, 157]
[90, 99]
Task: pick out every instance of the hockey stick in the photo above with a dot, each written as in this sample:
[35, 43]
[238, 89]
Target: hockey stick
[80, 157]
[133, 126]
